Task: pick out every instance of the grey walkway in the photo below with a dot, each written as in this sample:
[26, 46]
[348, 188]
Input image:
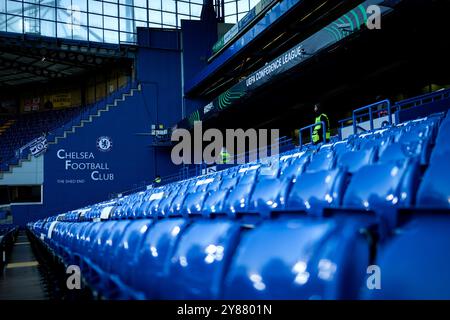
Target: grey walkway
[21, 279]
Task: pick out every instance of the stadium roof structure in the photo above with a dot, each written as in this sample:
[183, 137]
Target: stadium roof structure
[26, 58]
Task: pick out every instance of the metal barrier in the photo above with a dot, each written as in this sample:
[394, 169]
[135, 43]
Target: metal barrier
[370, 113]
[423, 99]
[187, 172]
[310, 127]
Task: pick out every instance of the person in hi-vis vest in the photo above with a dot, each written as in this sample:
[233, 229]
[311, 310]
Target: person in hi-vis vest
[317, 136]
[157, 181]
[224, 157]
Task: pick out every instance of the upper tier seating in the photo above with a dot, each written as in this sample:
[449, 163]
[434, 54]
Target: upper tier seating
[28, 127]
[303, 225]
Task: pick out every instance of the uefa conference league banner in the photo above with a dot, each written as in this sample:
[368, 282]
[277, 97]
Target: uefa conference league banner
[269, 72]
[303, 51]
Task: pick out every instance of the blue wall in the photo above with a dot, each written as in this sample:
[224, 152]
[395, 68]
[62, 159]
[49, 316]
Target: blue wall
[198, 40]
[70, 184]
[158, 69]
[131, 160]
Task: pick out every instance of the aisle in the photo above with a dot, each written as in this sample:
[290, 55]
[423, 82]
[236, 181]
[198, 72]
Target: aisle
[21, 277]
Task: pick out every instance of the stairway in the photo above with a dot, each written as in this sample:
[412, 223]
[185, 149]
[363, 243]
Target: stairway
[11, 166]
[91, 116]
[78, 122]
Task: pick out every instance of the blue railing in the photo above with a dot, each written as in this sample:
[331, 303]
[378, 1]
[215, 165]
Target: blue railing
[186, 172]
[396, 108]
[310, 127]
[423, 99]
[370, 113]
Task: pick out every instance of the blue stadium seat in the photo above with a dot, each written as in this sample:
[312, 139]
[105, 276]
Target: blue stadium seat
[215, 201]
[215, 185]
[125, 258]
[414, 263]
[104, 246]
[269, 195]
[70, 241]
[248, 177]
[328, 261]
[352, 161]
[292, 167]
[434, 191]
[78, 249]
[165, 204]
[341, 147]
[442, 145]
[97, 252]
[86, 244]
[238, 199]
[176, 206]
[155, 255]
[400, 152]
[151, 205]
[378, 144]
[312, 192]
[207, 183]
[321, 161]
[228, 183]
[193, 203]
[200, 259]
[383, 188]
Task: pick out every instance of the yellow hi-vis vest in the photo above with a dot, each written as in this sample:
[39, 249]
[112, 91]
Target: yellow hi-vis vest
[157, 180]
[318, 127]
[224, 157]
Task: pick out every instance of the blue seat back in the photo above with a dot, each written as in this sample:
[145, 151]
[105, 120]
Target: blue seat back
[312, 192]
[154, 256]
[269, 195]
[200, 259]
[238, 199]
[305, 258]
[383, 188]
[321, 161]
[214, 203]
[352, 161]
[414, 262]
[125, 256]
[434, 191]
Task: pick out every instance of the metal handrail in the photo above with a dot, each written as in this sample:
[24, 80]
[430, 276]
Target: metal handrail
[369, 107]
[440, 93]
[310, 127]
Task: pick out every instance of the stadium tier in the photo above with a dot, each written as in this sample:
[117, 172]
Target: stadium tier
[20, 131]
[303, 225]
[25, 128]
[238, 150]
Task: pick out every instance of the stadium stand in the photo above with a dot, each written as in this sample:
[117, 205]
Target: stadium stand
[27, 127]
[105, 87]
[24, 128]
[376, 197]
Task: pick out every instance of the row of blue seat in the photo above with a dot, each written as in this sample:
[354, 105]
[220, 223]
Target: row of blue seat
[243, 233]
[283, 258]
[221, 258]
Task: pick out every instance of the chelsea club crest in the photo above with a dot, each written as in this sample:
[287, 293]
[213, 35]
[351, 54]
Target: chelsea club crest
[104, 144]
